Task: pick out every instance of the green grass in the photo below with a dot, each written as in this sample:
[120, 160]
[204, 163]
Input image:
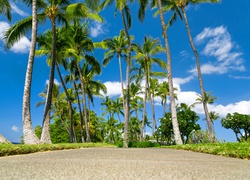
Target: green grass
[236, 150]
[10, 149]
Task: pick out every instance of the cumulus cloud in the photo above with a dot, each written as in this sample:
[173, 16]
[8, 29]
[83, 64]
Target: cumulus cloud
[113, 88]
[16, 10]
[15, 128]
[22, 46]
[3, 27]
[219, 45]
[97, 29]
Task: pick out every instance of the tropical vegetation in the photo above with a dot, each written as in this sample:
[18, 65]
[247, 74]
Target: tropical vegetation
[69, 113]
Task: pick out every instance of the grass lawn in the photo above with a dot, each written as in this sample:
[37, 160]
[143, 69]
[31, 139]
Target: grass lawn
[237, 150]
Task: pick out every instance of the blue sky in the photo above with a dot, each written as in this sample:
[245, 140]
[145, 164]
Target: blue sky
[221, 35]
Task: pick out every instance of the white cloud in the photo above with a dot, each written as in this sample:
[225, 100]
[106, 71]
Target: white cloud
[220, 46]
[22, 46]
[113, 88]
[16, 10]
[15, 128]
[97, 29]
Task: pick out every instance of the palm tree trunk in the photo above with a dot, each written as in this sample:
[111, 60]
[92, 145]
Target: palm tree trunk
[84, 104]
[121, 79]
[177, 136]
[3, 140]
[29, 136]
[80, 110]
[45, 137]
[126, 108]
[71, 135]
[209, 122]
[153, 114]
[144, 108]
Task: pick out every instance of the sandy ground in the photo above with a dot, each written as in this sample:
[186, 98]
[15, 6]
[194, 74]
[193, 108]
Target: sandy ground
[117, 163]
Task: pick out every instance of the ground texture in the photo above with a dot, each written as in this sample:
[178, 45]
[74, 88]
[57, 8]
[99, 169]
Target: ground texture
[118, 163]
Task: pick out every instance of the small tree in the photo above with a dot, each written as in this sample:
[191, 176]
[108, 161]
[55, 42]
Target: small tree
[239, 123]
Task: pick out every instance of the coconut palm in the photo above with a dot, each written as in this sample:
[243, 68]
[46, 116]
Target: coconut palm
[5, 8]
[44, 42]
[145, 58]
[178, 6]
[55, 11]
[176, 129]
[115, 46]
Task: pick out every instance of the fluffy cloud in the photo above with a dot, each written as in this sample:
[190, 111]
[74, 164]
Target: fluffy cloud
[219, 45]
[113, 88]
[3, 27]
[97, 29]
[55, 82]
[15, 128]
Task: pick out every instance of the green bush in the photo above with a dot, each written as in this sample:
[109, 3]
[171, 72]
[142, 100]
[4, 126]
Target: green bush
[139, 144]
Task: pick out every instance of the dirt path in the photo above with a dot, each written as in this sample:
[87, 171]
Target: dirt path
[116, 163]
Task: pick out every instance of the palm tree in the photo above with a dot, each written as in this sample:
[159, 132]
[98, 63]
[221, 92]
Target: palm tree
[5, 8]
[44, 42]
[53, 10]
[176, 129]
[122, 6]
[175, 5]
[116, 45]
[145, 57]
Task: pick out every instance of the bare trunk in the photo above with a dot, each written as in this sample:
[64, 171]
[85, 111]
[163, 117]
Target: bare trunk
[144, 109]
[84, 104]
[29, 136]
[209, 122]
[126, 109]
[45, 137]
[153, 114]
[69, 103]
[80, 111]
[177, 136]
[121, 79]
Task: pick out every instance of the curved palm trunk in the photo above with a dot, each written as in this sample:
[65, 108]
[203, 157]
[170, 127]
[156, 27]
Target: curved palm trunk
[45, 137]
[84, 104]
[126, 109]
[3, 140]
[29, 136]
[209, 122]
[71, 134]
[176, 129]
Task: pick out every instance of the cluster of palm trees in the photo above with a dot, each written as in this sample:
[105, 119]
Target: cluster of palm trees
[70, 46]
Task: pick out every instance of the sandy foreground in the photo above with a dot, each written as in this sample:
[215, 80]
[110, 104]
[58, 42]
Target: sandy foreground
[118, 163]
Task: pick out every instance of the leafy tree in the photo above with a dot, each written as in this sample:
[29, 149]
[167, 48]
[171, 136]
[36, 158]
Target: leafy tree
[187, 120]
[239, 123]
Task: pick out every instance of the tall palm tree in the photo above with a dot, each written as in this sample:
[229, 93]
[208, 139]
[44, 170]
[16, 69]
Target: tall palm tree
[176, 129]
[178, 6]
[145, 57]
[5, 8]
[81, 46]
[44, 42]
[53, 10]
[122, 6]
[116, 45]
